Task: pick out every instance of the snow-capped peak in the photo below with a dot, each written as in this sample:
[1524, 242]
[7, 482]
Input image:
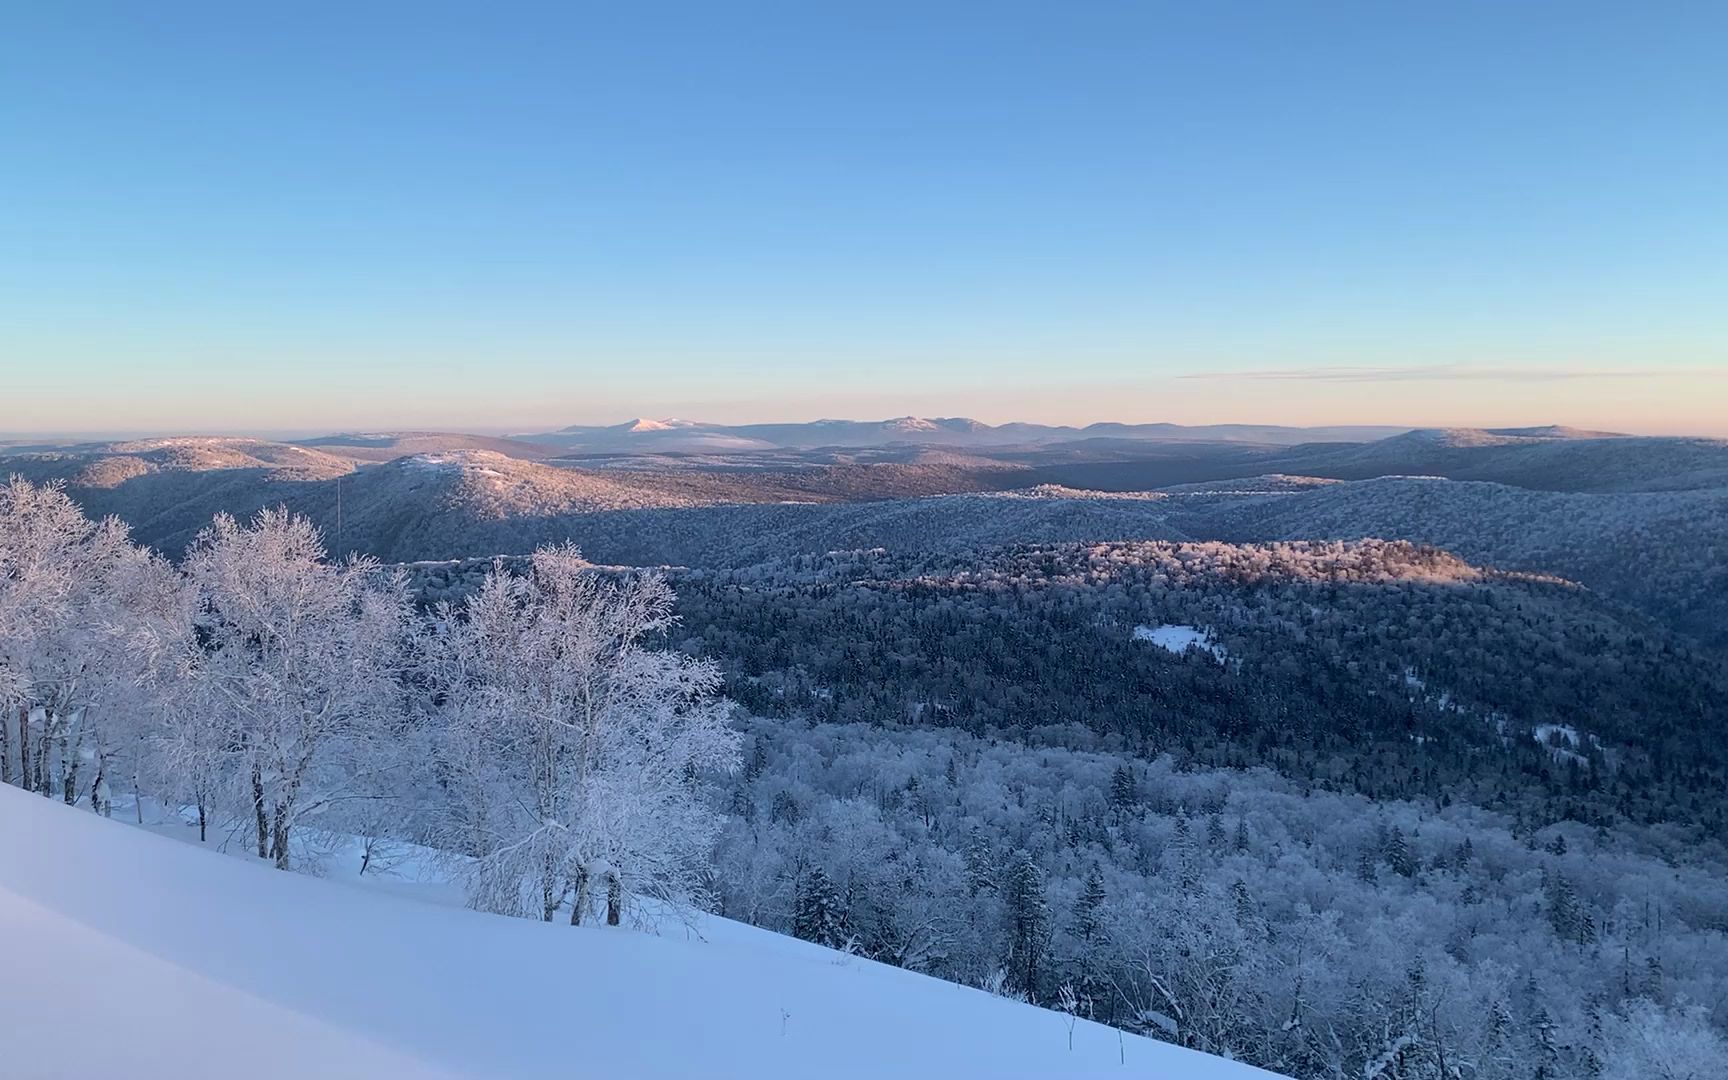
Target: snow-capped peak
[643, 424]
[909, 423]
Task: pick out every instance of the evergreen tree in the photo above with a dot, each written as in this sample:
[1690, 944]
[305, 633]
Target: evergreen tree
[1652, 985]
[1415, 992]
[1086, 921]
[1562, 907]
[818, 912]
[1498, 1056]
[1243, 904]
[785, 809]
[1123, 792]
[757, 763]
[1182, 856]
[743, 806]
[1397, 853]
[1544, 1053]
[1028, 922]
[1466, 852]
[1589, 1056]
[1365, 868]
[980, 865]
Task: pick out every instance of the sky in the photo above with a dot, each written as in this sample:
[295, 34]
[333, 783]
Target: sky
[311, 216]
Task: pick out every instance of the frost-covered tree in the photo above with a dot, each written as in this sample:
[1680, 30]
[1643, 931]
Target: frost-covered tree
[1647, 1042]
[41, 530]
[143, 610]
[1284, 954]
[302, 658]
[76, 600]
[194, 754]
[570, 748]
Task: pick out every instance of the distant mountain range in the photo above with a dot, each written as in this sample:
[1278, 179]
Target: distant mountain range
[1542, 459]
[688, 436]
[387, 446]
[1639, 519]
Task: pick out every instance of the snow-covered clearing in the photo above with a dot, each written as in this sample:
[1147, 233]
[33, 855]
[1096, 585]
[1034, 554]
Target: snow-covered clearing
[1545, 734]
[127, 954]
[1563, 741]
[1178, 639]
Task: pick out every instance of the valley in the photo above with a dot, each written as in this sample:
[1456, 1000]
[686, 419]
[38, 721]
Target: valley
[1192, 731]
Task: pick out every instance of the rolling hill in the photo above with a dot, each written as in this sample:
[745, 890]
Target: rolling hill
[1544, 459]
[387, 446]
[1639, 519]
[1540, 459]
[1665, 553]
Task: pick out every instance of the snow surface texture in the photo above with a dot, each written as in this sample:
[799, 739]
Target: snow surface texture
[1178, 639]
[128, 954]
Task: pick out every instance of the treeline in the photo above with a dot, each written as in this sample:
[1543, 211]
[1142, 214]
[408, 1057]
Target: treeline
[529, 733]
[1385, 668]
[1315, 934]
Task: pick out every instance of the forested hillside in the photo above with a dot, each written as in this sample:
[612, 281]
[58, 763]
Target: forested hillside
[1541, 459]
[1665, 553]
[1336, 809]
[1385, 668]
[1639, 520]
[1316, 934]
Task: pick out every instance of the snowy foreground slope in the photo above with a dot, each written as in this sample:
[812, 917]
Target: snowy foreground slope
[127, 954]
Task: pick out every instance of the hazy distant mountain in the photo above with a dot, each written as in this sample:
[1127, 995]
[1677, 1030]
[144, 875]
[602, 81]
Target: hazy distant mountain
[387, 446]
[1641, 520]
[209, 453]
[168, 489]
[1543, 459]
[671, 435]
[1546, 459]
[1134, 457]
[448, 502]
[1556, 431]
[149, 463]
[1261, 434]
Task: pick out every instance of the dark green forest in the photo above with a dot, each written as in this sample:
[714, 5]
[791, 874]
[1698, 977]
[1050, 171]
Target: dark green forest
[1384, 668]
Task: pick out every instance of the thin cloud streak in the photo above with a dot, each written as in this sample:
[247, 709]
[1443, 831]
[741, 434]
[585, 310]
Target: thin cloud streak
[1442, 373]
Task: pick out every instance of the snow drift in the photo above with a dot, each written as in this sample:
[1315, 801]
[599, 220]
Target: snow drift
[128, 954]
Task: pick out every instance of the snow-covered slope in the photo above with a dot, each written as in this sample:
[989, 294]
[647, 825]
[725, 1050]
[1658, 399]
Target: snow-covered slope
[127, 954]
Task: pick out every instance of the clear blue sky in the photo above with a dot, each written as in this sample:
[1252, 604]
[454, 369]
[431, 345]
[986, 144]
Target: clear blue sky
[305, 216]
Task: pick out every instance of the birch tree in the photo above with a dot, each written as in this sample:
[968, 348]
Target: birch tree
[71, 592]
[140, 617]
[305, 656]
[570, 747]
